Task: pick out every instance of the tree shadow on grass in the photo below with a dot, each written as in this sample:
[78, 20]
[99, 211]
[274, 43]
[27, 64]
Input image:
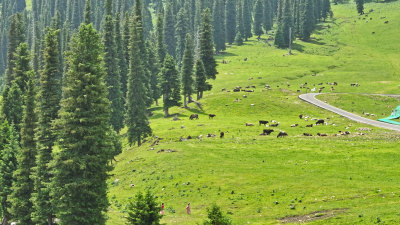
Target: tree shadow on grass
[298, 47]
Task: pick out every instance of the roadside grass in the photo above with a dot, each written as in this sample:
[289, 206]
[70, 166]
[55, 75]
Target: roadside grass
[259, 179]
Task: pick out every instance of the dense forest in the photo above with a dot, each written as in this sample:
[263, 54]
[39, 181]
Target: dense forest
[76, 72]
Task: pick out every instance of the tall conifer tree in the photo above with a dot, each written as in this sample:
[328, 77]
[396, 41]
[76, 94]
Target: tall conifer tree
[169, 29]
[21, 203]
[181, 29]
[258, 18]
[201, 84]
[48, 106]
[282, 33]
[136, 117]
[187, 70]
[247, 19]
[80, 167]
[207, 46]
[230, 20]
[219, 25]
[267, 17]
[161, 48]
[170, 84]
[113, 79]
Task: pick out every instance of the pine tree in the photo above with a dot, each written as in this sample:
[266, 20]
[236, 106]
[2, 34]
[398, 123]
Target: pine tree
[8, 164]
[113, 79]
[268, 17]
[48, 106]
[125, 53]
[21, 204]
[136, 118]
[16, 36]
[258, 18]
[154, 68]
[170, 84]
[230, 20]
[79, 187]
[247, 19]
[282, 33]
[20, 5]
[239, 18]
[306, 19]
[143, 209]
[120, 54]
[207, 46]
[22, 66]
[169, 29]
[201, 84]
[12, 105]
[161, 48]
[360, 6]
[187, 70]
[219, 25]
[181, 29]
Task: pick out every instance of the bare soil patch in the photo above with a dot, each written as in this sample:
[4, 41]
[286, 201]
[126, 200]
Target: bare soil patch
[319, 215]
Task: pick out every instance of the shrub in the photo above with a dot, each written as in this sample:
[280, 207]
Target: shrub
[216, 217]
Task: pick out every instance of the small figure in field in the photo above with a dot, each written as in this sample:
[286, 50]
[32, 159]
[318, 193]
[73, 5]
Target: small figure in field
[188, 209]
[162, 209]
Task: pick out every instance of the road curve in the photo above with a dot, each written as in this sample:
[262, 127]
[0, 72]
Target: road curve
[310, 98]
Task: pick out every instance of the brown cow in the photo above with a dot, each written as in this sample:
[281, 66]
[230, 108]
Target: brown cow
[194, 116]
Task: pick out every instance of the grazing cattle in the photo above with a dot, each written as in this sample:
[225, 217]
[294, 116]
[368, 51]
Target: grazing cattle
[223, 89]
[267, 131]
[245, 59]
[310, 125]
[387, 21]
[320, 122]
[354, 85]
[274, 125]
[210, 135]
[249, 124]
[211, 116]
[301, 116]
[189, 137]
[294, 125]
[263, 122]
[322, 135]
[194, 116]
[307, 134]
[221, 135]
[282, 134]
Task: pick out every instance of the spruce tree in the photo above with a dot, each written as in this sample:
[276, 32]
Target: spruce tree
[360, 6]
[282, 33]
[201, 84]
[21, 203]
[120, 54]
[247, 19]
[170, 84]
[22, 66]
[187, 70]
[113, 79]
[161, 48]
[169, 29]
[20, 5]
[230, 20]
[181, 29]
[88, 12]
[238, 39]
[143, 209]
[239, 18]
[12, 105]
[16, 36]
[125, 53]
[48, 106]
[136, 118]
[219, 25]
[268, 17]
[326, 9]
[306, 19]
[207, 46]
[154, 67]
[258, 18]
[79, 187]
[8, 165]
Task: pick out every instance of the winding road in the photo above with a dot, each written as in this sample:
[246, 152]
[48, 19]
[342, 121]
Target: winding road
[310, 98]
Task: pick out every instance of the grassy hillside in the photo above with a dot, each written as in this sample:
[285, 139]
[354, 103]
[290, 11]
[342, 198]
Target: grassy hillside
[261, 179]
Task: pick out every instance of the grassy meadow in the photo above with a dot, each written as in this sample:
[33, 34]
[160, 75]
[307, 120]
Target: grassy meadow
[257, 179]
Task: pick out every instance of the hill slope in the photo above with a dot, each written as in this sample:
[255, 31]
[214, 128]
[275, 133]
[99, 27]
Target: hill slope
[261, 179]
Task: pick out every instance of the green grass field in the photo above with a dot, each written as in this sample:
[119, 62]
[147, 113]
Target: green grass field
[261, 179]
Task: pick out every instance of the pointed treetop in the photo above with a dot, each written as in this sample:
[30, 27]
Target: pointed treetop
[108, 7]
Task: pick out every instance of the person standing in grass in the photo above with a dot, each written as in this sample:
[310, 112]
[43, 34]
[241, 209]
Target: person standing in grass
[162, 209]
[188, 210]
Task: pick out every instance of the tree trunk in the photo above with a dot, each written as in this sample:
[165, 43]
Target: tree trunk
[50, 217]
[185, 101]
[198, 95]
[201, 95]
[166, 114]
[4, 221]
[156, 102]
[139, 141]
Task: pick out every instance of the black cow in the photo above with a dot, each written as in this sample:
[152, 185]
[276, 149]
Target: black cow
[263, 122]
[274, 125]
[267, 131]
[307, 134]
[221, 135]
[211, 116]
[320, 122]
[194, 116]
[282, 134]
